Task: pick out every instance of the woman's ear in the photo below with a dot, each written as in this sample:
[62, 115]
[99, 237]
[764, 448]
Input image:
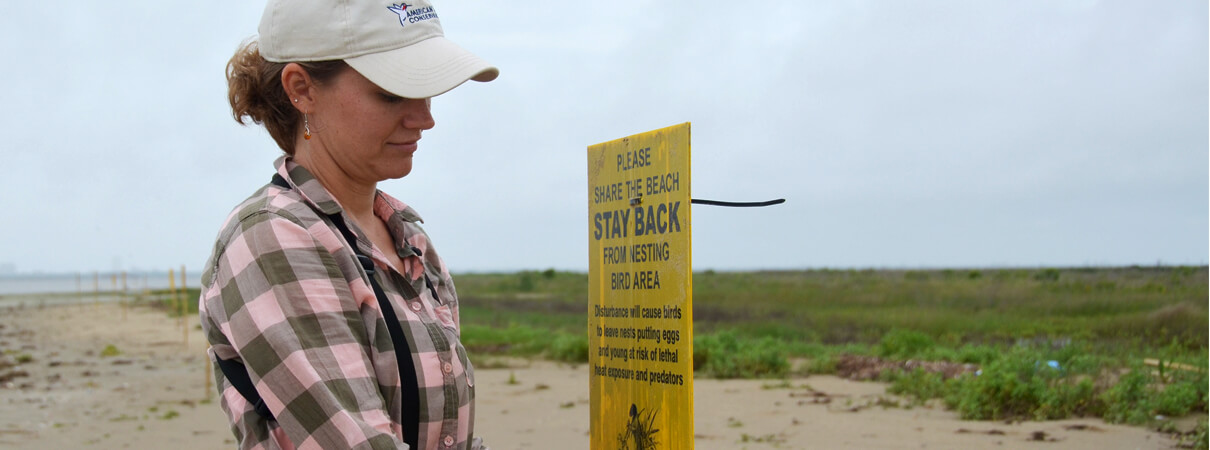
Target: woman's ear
[299, 87]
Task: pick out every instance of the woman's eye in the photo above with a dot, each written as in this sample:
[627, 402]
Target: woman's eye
[389, 98]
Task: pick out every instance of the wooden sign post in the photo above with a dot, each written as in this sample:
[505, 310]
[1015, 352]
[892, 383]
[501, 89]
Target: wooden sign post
[640, 311]
[184, 309]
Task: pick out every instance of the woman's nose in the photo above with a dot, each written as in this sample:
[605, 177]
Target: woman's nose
[418, 114]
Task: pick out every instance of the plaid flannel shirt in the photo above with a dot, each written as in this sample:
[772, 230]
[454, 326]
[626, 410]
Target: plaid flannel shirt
[284, 294]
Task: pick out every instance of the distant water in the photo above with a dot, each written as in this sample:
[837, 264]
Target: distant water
[86, 283]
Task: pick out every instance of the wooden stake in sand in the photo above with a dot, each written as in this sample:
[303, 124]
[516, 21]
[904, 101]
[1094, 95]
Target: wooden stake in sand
[124, 298]
[208, 370]
[96, 288]
[172, 286]
[184, 308]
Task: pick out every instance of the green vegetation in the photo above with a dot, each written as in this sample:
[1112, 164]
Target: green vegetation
[1024, 384]
[725, 355]
[1042, 343]
[170, 301]
[529, 314]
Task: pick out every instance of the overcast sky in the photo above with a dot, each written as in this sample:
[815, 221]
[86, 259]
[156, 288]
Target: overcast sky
[902, 134]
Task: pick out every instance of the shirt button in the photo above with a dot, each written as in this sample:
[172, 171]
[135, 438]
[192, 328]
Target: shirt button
[449, 441]
[447, 367]
[416, 306]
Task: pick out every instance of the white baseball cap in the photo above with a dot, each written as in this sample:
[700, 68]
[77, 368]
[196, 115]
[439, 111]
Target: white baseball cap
[398, 46]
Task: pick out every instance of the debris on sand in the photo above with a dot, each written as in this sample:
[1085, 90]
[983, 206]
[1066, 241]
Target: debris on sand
[865, 368]
[10, 375]
[1082, 427]
[991, 432]
[814, 396]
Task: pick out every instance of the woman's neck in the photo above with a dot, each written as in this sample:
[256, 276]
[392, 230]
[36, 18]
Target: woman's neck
[356, 197]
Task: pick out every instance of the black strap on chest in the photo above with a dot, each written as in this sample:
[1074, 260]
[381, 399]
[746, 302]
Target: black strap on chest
[237, 373]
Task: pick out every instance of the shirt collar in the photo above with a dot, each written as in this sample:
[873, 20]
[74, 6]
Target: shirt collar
[386, 207]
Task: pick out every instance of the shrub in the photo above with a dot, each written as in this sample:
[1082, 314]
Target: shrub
[977, 354]
[1083, 364]
[1066, 399]
[723, 355]
[1003, 389]
[919, 385]
[1137, 399]
[1020, 385]
[1129, 400]
[823, 364]
[1181, 398]
[569, 348]
[905, 344]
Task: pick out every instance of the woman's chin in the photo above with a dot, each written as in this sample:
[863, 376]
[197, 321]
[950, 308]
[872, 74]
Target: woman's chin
[399, 170]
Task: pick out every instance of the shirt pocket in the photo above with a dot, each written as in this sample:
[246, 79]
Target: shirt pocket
[468, 371]
[446, 316]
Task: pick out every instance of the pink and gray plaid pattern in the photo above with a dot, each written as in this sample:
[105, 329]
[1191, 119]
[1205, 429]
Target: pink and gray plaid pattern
[284, 294]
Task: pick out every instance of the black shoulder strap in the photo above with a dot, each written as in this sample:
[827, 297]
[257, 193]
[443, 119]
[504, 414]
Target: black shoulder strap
[403, 351]
[237, 374]
[279, 181]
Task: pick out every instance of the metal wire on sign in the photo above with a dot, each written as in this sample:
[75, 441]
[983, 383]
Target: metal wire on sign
[698, 201]
[636, 201]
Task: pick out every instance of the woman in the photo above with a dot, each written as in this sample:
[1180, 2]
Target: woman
[333, 320]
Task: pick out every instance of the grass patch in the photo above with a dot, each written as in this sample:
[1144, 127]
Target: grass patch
[727, 355]
[919, 386]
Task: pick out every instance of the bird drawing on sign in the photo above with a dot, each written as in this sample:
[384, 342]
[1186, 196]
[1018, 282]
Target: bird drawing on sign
[640, 430]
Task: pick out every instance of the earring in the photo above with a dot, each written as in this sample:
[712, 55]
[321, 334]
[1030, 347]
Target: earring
[306, 128]
[296, 100]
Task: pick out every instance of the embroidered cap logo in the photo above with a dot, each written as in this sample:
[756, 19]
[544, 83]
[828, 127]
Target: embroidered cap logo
[401, 10]
[407, 14]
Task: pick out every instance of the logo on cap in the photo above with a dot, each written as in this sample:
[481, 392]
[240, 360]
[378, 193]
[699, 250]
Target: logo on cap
[412, 15]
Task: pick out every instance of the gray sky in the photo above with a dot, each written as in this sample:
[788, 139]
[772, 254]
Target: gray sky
[902, 134]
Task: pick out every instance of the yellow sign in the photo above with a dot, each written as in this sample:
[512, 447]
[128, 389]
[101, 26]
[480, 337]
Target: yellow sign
[640, 291]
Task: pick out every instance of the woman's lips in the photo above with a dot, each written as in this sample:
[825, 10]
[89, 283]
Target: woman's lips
[408, 147]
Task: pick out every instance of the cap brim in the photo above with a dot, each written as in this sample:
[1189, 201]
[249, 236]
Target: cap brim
[425, 69]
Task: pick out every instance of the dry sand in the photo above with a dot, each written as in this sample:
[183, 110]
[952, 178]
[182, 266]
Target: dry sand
[153, 395]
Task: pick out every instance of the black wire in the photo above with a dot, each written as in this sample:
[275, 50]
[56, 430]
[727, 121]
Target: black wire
[698, 201]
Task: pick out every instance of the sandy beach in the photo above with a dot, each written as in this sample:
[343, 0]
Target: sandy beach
[103, 376]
